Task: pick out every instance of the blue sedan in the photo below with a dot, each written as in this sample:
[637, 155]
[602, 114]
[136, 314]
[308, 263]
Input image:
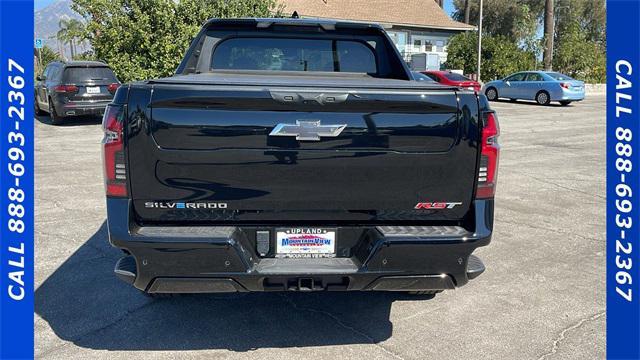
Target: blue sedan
[541, 86]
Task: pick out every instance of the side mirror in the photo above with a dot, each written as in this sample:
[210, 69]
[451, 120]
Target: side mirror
[508, 83]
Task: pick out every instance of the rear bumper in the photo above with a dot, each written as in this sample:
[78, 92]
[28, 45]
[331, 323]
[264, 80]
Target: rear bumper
[194, 259]
[82, 109]
[570, 96]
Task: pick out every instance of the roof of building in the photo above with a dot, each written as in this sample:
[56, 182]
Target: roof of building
[413, 13]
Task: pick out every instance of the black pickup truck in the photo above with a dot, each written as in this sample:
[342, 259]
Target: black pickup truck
[290, 154]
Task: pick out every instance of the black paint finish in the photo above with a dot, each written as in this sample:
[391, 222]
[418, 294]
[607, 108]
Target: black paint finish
[204, 137]
[211, 143]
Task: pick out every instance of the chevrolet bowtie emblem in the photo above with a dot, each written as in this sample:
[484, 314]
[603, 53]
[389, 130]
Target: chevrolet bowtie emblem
[307, 130]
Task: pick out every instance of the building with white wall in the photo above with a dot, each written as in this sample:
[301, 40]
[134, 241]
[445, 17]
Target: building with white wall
[416, 26]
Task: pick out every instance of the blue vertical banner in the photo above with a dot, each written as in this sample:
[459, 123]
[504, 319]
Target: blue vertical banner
[16, 179]
[623, 179]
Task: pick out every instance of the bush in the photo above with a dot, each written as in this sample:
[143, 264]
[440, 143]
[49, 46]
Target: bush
[501, 56]
[142, 39]
[578, 57]
[46, 55]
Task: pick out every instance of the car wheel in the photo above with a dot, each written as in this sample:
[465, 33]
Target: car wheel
[55, 118]
[565, 103]
[491, 93]
[542, 98]
[36, 107]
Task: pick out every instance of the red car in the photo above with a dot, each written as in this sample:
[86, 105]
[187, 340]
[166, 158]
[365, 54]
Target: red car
[450, 78]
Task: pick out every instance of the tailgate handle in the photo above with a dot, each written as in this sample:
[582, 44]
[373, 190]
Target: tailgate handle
[308, 97]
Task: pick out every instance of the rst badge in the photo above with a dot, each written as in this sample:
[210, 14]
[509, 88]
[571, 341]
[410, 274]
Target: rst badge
[436, 205]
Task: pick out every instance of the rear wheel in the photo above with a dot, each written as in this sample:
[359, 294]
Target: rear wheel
[55, 118]
[36, 107]
[492, 94]
[542, 98]
[565, 103]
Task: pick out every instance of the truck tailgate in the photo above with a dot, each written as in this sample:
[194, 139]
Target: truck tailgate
[204, 154]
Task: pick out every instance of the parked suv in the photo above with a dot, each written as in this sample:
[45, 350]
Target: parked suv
[74, 88]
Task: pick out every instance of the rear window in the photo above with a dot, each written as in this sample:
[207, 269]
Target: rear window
[283, 54]
[559, 76]
[89, 74]
[422, 77]
[456, 77]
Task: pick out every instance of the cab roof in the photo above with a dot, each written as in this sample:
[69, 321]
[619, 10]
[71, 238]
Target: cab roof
[326, 24]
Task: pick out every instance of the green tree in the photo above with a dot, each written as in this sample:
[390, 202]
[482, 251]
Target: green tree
[46, 55]
[71, 31]
[514, 19]
[578, 57]
[576, 46]
[144, 39]
[580, 39]
[500, 55]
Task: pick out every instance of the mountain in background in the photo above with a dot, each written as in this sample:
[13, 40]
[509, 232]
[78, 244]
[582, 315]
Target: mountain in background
[46, 24]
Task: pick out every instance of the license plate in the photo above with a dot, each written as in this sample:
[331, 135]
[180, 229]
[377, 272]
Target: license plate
[305, 242]
[93, 89]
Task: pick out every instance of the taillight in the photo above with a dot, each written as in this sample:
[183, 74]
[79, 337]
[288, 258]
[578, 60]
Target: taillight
[65, 89]
[565, 85]
[490, 151]
[115, 171]
[113, 87]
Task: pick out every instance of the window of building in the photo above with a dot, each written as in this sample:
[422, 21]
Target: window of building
[428, 46]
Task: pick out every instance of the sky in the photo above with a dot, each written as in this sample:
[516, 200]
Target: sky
[448, 7]
[39, 4]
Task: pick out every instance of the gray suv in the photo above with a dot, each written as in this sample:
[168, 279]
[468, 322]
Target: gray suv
[74, 88]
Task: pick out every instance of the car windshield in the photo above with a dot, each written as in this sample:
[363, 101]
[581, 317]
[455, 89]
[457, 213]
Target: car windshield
[75, 75]
[558, 76]
[282, 54]
[421, 77]
[456, 77]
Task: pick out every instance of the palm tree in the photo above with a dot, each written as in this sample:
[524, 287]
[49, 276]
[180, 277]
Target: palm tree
[70, 31]
[467, 10]
[548, 34]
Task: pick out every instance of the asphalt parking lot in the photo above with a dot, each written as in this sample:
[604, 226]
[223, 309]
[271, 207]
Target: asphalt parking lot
[542, 296]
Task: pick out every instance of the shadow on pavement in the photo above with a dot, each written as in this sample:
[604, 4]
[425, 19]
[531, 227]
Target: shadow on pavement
[532, 102]
[86, 304]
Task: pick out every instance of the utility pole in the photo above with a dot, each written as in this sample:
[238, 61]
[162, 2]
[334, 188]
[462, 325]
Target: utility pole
[479, 43]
